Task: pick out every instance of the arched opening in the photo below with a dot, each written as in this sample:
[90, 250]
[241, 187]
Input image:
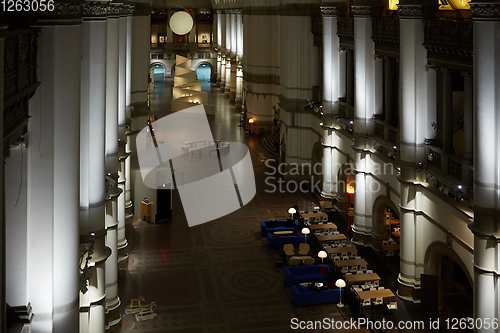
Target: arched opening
[346, 190]
[385, 222]
[173, 70]
[455, 292]
[158, 71]
[204, 72]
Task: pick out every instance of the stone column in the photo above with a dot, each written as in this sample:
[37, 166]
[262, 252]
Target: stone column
[92, 161]
[415, 108]
[486, 85]
[342, 75]
[228, 32]
[447, 112]
[223, 73]
[3, 323]
[232, 88]
[468, 119]
[113, 118]
[331, 83]
[239, 33]
[219, 61]
[128, 114]
[122, 137]
[227, 86]
[239, 86]
[53, 184]
[141, 26]
[364, 55]
[234, 36]
[379, 84]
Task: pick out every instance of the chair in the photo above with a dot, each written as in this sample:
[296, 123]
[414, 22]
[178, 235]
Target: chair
[317, 219]
[335, 258]
[336, 233]
[325, 219]
[378, 301]
[373, 289]
[344, 269]
[368, 271]
[304, 249]
[366, 302]
[289, 250]
[354, 269]
[352, 255]
[359, 272]
[390, 253]
[358, 257]
[385, 242]
[348, 273]
[343, 242]
[345, 257]
[363, 267]
[392, 306]
[293, 262]
[309, 261]
[381, 288]
[376, 283]
[135, 305]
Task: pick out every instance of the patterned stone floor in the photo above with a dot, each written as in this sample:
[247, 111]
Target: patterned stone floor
[218, 276]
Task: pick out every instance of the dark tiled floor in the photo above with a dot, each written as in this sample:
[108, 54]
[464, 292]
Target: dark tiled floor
[220, 276]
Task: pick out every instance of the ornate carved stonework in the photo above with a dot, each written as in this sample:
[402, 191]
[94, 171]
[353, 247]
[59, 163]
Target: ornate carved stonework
[329, 11]
[95, 9]
[65, 12]
[361, 10]
[485, 11]
[261, 11]
[410, 11]
[114, 10]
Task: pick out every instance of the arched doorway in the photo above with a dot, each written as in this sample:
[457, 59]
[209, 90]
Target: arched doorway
[173, 70]
[385, 221]
[159, 72]
[346, 183]
[204, 72]
[455, 292]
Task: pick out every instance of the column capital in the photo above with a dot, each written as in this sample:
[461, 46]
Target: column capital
[361, 10]
[416, 11]
[95, 9]
[485, 11]
[329, 11]
[64, 13]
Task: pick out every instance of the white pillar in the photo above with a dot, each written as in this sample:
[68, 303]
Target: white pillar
[234, 36]
[219, 61]
[227, 87]
[92, 164]
[486, 83]
[3, 260]
[239, 33]
[114, 100]
[364, 109]
[141, 26]
[239, 86]
[53, 186]
[128, 113]
[416, 107]
[223, 73]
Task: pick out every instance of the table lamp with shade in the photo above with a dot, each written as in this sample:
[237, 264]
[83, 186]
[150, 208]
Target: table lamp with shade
[341, 284]
[292, 211]
[306, 232]
[322, 255]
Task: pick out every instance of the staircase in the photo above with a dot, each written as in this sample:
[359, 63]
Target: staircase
[269, 141]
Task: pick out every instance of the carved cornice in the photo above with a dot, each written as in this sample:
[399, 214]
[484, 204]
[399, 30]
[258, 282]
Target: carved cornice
[65, 12]
[141, 9]
[361, 10]
[114, 10]
[329, 11]
[485, 11]
[95, 9]
[261, 10]
[234, 11]
[417, 11]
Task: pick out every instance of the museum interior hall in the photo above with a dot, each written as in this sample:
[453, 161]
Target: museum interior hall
[250, 166]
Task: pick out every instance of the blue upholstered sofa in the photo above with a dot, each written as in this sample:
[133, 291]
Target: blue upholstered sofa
[281, 225]
[304, 296]
[279, 241]
[299, 274]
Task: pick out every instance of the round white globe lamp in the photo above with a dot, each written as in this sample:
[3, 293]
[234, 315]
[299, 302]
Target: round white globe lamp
[181, 23]
[341, 284]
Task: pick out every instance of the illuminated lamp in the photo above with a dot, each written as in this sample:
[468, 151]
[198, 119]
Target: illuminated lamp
[349, 188]
[341, 284]
[322, 255]
[181, 23]
[306, 232]
[251, 121]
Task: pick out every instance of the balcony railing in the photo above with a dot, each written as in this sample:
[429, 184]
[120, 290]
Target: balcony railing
[451, 166]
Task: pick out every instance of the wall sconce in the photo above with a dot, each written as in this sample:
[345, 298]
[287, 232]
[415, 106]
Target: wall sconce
[251, 121]
[86, 254]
